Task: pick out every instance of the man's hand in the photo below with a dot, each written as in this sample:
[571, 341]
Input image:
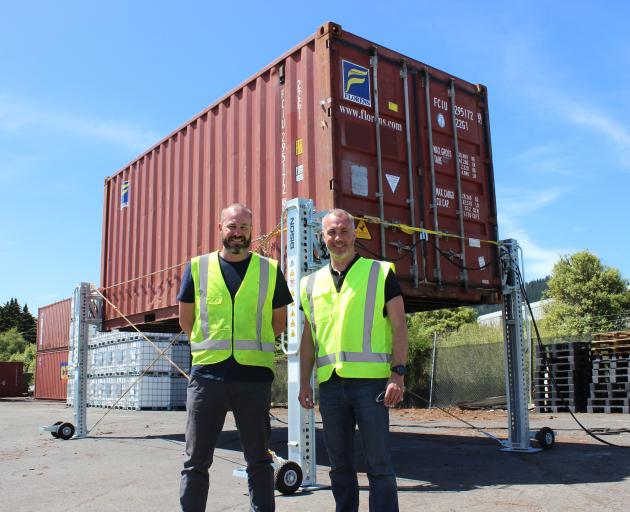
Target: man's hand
[395, 390]
[306, 396]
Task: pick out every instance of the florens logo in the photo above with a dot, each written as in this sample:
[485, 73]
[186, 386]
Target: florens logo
[356, 83]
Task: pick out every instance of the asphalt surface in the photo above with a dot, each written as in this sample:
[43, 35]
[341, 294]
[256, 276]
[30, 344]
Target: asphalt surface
[131, 461]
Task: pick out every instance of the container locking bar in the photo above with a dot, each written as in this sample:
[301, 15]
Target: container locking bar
[411, 200]
[458, 175]
[436, 224]
[377, 122]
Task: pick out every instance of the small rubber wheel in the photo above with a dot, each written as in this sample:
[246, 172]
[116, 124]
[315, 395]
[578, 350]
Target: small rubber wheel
[288, 477]
[65, 431]
[54, 434]
[546, 438]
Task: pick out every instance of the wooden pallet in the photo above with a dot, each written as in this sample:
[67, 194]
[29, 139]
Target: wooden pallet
[611, 343]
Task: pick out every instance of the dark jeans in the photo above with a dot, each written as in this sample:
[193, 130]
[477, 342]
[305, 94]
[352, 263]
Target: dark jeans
[208, 402]
[344, 404]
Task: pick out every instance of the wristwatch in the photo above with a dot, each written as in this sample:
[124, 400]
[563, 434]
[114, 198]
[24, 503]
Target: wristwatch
[399, 369]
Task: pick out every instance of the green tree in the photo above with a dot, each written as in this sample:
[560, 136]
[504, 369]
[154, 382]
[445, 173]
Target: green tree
[28, 358]
[587, 296]
[423, 325]
[12, 315]
[11, 342]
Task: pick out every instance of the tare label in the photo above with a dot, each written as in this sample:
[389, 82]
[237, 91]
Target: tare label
[471, 204]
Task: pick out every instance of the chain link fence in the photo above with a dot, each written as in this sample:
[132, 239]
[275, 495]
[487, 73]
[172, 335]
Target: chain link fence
[467, 373]
[476, 372]
[454, 374]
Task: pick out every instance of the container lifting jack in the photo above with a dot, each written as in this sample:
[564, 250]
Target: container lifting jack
[87, 310]
[305, 253]
[514, 356]
[287, 474]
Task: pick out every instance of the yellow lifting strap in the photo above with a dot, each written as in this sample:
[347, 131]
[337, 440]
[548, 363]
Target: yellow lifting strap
[409, 230]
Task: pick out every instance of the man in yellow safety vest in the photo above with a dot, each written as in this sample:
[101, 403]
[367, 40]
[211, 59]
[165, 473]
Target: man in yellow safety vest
[355, 334]
[232, 305]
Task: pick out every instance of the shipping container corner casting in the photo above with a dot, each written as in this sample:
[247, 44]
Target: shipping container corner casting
[339, 120]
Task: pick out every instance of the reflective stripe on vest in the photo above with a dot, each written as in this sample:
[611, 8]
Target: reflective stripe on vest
[209, 344]
[366, 355]
[310, 281]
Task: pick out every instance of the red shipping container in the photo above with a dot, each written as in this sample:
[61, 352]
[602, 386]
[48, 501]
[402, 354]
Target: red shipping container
[51, 375]
[338, 120]
[53, 326]
[11, 379]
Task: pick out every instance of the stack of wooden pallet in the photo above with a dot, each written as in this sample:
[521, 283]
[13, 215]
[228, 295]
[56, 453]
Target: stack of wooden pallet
[610, 386]
[561, 378]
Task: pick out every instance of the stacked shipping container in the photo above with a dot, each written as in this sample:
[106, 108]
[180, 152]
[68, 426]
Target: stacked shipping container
[53, 339]
[339, 120]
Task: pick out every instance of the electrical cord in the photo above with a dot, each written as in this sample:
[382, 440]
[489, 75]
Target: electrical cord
[449, 258]
[546, 363]
[379, 257]
[445, 255]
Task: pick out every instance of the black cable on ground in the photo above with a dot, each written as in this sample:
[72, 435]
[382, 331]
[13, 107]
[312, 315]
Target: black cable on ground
[381, 397]
[546, 363]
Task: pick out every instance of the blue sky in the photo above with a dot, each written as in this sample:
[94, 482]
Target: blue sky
[86, 87]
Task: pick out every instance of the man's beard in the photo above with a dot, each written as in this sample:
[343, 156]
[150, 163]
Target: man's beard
[239, 247]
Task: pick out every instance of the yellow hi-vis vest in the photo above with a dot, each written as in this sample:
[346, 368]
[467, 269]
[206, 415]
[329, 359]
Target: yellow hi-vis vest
[350, 333]
[243, 326]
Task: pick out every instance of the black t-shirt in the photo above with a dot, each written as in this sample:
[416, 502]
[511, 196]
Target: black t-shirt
[230, 370]
[392, 286]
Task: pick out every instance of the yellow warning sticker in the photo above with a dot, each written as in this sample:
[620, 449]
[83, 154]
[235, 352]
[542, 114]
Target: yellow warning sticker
[64, 371]
[298, 147]
[292, 332]
[362, 231]
[392, 106]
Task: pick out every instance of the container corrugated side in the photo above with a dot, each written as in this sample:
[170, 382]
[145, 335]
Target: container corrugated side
[51, 375]
[53, 326]
[11, 379]
[290, 131]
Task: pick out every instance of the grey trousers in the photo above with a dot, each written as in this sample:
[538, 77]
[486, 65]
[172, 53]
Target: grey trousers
[208, 402]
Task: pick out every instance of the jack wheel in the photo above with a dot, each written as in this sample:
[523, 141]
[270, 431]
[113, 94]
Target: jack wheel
[65, 431]
[53, 433]
[288, 477]
[546, 438]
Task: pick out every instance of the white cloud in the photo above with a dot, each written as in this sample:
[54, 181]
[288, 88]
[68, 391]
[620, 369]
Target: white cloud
[515, 207]
[17, 115]
[538, 261]
[548, 159]
[516, 203]
[553, 93]
[599, 121]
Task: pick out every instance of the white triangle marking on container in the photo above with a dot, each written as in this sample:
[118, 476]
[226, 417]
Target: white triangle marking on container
[393, 181]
